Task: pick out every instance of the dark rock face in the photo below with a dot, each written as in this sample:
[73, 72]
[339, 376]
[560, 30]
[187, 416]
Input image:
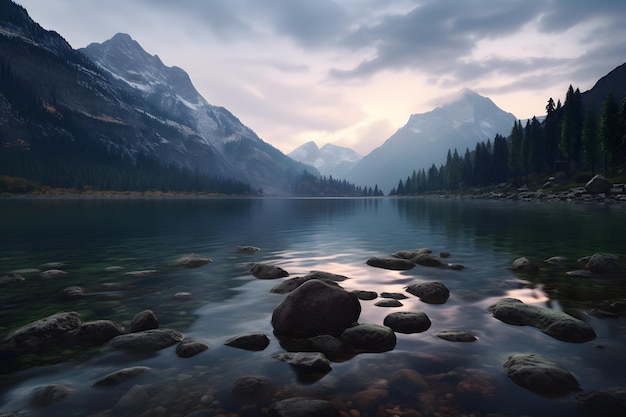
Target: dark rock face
[540, 375]
[189, 348]
[302, 407]
[249, 341]
[407, 322]
[369, 338]
[37, 335]
[267, 271]
[316, 308]
[147, 340]
[557, 324]
[145, 320]
[396, 264]
[430, 292]
[598, 185]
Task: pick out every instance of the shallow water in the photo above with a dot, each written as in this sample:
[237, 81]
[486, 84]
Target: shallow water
[300, 235]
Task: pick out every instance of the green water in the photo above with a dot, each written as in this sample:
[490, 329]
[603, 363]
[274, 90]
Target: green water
[336, 235]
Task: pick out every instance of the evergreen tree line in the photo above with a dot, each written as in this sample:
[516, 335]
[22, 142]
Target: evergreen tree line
[51, 148]
[571, 139]
[309, 185]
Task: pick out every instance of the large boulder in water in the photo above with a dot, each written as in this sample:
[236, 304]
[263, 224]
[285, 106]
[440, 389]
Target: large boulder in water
[430, 292]
[37, 335]
[97, 332]
[369, 338]
[555, 323]
[540, 375]
[316, 308]
[268, 271]
[604, 264]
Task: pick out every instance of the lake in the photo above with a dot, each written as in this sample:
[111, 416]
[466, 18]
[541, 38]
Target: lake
[88, 236]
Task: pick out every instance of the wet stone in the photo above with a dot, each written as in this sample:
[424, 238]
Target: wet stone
[396, 264]
[407, 322]
[249, 341]
[120, 376]
[267, 271]
[189, 348]
[144, 320]
[430, 292]
[540, 375]
[457, 336]
[388, 302]
[365, 295]
[51, 394]
[394, 295]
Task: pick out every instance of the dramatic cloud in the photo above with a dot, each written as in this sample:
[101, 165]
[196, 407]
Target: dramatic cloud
[352, 71]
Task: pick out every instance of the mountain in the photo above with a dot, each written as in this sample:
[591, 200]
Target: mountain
[614, 81]
[329, 160]
[426, 138]
[116, 99]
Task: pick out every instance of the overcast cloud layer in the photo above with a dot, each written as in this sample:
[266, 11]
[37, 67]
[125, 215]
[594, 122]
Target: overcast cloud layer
[351, 72]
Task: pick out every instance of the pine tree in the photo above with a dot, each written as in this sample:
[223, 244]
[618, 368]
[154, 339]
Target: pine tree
[590, 141]
[610, 132]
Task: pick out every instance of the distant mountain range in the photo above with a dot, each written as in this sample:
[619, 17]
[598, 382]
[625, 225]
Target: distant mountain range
[426, 138]
[330, 160]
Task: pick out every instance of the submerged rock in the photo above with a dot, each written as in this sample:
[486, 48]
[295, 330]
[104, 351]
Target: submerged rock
[610, 402]
[73, 291]
[248, 249]
[142, 273]
[430, 292]
[37, 335]
[396, 264]
[252, 389]
[410, 254]
[11, 278]
[147, 340]
[267, 271]
[316, 308]
[192, 260]
[554, 323]
[51, 394]
[407, 322]
[540, 375]
[120, 376]
[309, 361]
[365, 295]
[249, 341]
[302, 407]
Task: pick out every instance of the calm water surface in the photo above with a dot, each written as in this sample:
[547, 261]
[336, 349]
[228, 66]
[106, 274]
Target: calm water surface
[300, 235]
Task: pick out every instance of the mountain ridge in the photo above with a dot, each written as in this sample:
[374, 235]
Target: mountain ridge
[330, 159]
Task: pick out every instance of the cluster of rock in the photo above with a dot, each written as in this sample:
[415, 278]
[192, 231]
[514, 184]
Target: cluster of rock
[599, 189]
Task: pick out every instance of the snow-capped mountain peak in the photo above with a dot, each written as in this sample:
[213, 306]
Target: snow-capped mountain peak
[329, 159]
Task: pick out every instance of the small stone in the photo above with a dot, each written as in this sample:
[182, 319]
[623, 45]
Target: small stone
[388, 302]
[524, 265]
[267, 271]
[183, 296]
[144, 320]
[369, 338]
[147, 340]
[395, 264]
[248, 249]
[456, 336]
[192, 260]
[407, 322]
[365, 295]
[540, 375]
[251, 389]
[310, 361]
[394, 295]
[249, 341]
[430, 292]
[11, 278]
[71, 292]
[142, 274]
[189, 348]
[53, 273]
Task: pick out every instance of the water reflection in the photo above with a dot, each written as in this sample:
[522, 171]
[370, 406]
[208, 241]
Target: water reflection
[333, 235]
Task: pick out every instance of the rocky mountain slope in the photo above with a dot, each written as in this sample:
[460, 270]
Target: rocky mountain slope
[127, 101]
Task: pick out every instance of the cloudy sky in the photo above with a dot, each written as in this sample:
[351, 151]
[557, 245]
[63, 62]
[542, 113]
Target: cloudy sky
[351, 72]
